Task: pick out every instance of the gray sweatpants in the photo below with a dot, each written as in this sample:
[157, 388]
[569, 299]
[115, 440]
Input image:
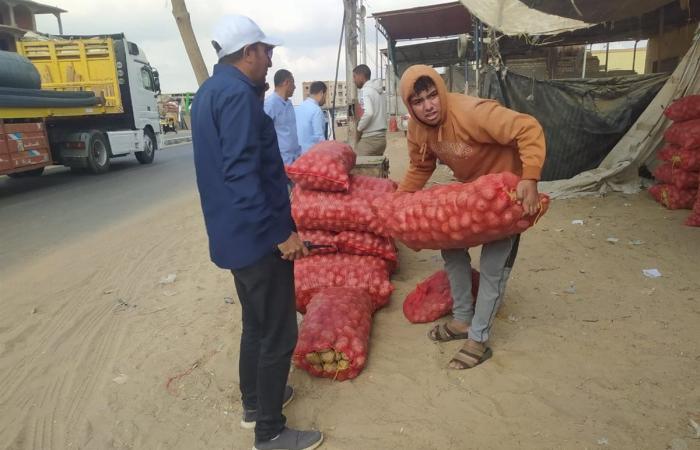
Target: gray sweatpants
[497, 259]
[371, 145]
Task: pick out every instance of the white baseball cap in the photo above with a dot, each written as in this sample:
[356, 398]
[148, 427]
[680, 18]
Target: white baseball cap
[234, 32]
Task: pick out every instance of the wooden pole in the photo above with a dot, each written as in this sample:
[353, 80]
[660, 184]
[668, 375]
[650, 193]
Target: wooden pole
[182, 18]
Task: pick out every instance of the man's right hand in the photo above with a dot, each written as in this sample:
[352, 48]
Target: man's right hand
[293, 248]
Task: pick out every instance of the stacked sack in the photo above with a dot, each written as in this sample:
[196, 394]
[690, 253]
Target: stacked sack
[679, 174]
[347, 276]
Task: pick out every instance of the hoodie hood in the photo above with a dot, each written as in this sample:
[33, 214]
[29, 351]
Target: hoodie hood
[409, 78]
[375, 84]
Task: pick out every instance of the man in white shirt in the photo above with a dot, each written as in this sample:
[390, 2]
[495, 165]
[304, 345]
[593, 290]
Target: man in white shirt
[372, 124]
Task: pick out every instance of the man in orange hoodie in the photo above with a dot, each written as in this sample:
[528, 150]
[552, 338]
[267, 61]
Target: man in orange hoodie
[473, 137]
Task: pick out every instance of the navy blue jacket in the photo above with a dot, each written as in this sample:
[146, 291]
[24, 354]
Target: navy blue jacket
[240, 175]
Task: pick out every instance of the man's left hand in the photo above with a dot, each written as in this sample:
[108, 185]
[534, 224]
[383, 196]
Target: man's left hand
[527, 195]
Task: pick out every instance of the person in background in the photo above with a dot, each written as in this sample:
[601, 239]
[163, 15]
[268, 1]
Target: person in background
[473, 137]
[312, 126]
[371, 128]
[243, 192]
[281, 111]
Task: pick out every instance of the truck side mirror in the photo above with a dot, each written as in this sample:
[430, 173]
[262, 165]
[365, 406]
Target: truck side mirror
[156, 81]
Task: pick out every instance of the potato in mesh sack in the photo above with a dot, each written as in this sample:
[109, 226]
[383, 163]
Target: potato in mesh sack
[681, 158]
[366, 183]
[369, 244]
[685, 108]
[432, 298]
[457, 215]
[325, 167]
[334, 335]
[684, 134]
[682, 179]
[315, 273]
[335, 211]
[672, 197]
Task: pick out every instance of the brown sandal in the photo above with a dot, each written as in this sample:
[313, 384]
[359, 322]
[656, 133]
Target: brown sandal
[470, 355]
[442, 333]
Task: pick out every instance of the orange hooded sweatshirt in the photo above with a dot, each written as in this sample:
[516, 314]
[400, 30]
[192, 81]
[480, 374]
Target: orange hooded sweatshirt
[474, 137]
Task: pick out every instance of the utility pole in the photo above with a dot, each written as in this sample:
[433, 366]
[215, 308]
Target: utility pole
[363, 35]
[350, 63]
[182, 18]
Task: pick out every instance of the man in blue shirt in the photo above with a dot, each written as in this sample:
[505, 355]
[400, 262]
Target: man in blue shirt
[311, 121]
[281, 111]
[243, 191]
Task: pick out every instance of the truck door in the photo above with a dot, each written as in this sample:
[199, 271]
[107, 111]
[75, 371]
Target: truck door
[143, 88]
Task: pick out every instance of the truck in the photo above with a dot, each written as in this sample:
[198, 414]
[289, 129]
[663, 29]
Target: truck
[97, 101]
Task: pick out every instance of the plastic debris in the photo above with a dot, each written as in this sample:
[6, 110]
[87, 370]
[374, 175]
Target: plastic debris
[120, 379]
[695, 426]
[577, 222]
[651, 273]
[603, 441]
[612, 240]
[169, 279]
[571, 289]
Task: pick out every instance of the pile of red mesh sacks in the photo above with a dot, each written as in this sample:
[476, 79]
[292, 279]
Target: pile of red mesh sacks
[679, 174]
[347, 276]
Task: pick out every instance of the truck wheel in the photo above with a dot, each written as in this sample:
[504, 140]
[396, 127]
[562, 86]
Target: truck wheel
[149, 148]
[98, 153]
[27, 174]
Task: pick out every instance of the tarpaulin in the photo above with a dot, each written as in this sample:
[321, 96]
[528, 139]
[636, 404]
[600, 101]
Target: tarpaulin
[583, 119]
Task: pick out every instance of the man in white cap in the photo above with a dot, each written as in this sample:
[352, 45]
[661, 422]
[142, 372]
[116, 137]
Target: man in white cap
[243, 191]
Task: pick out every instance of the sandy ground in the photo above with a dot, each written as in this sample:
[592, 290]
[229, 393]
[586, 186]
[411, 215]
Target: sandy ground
[95, 353]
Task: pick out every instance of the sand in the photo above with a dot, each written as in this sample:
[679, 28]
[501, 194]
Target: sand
[96, 353]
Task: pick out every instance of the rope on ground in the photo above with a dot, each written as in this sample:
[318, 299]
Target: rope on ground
[200, 362]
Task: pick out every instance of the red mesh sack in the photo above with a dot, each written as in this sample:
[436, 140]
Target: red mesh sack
[334, 336]
[319, 237]
[685, 108]
[358, 243]
[325, 167]
[682, 179]
[686, 134]
[335, 211]
[672, 197]
[681, 158]
[432, 298]
[694, 219]
[458, 215]
[372, 183]
[315, 273]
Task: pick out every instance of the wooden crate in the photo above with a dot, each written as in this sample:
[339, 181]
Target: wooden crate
[373, 166]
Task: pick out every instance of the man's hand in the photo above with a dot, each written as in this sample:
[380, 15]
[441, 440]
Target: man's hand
[293, 248]
[527, 195]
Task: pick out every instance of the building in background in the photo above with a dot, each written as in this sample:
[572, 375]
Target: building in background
[18, 16]
[621, 57]
[341, 94]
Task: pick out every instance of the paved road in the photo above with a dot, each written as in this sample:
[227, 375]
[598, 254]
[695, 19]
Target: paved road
[39, 213]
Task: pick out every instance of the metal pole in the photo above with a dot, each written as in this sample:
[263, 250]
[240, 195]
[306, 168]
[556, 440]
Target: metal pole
[607, 51]
[335, 81]
[634, 56]
[60, 23]
[363, 36]
[585, 59]
[350, 63]
[376, 44]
